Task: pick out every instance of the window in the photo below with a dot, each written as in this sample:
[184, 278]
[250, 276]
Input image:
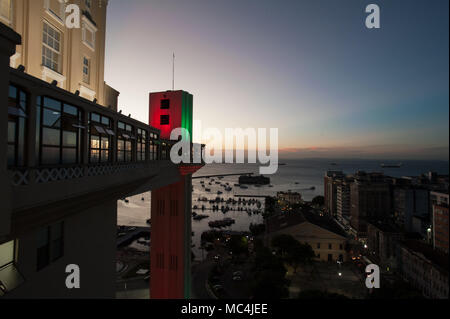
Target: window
[51, 48]
[165, 104]
[330, 246]
[6, 253]
[124, 142]
[101, 136]
[318, 245]
[88, 33]
[86, 70]
[60, 132]
[50, 245]
[55, 8]
[10, 277]
[153, 156]
[5, 11]
[88, 4]
[165, 120]
[141, 144]
[17, 108]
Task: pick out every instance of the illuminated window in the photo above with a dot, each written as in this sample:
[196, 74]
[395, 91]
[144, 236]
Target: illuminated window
[141, 144]
[5, 11]
[51, 48]
[101, 136]
[10, 277]
[125, 142]
[86, 70]
[165, 120]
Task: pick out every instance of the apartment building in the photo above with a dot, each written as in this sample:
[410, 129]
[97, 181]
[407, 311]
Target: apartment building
[440, 202]
[51, 51]
[370, 199]
[424, 268]
[343, 198]
[331, 180]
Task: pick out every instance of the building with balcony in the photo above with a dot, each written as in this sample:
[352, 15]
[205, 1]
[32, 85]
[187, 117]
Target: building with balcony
[65, 163]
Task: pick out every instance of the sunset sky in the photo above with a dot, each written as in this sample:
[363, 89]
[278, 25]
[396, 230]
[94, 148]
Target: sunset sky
[309, 68]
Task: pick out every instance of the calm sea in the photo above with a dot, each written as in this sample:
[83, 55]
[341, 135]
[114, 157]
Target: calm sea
[296, 175]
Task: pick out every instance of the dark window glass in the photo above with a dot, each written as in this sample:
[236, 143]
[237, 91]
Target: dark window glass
[50, 155]
[52, 104]
[12, 92]
[165, 120]
[11, 155]
[70, 110]
[11, 132]
[165, 104]
[105, 121]
[69, 156]
[50, 136]
[121, 125]
[95, 117]
[51, 118]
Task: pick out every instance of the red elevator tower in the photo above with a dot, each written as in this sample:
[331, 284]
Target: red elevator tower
[170, 254]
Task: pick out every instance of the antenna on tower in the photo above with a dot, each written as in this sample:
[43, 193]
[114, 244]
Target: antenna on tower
[173, 73]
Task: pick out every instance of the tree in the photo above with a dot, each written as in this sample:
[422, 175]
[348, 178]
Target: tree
[257, 229]
[270, 273]
[238, 245]
[299, 254]
[284, 243]
[318, 201]
[270, 284]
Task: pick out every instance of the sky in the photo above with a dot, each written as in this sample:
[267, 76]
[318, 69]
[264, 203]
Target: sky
[310, 68]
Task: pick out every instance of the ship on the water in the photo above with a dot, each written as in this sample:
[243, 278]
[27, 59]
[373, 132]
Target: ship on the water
[383, 165]
[254, 180]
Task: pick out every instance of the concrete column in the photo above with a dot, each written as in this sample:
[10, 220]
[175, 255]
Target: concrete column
[8, 41]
